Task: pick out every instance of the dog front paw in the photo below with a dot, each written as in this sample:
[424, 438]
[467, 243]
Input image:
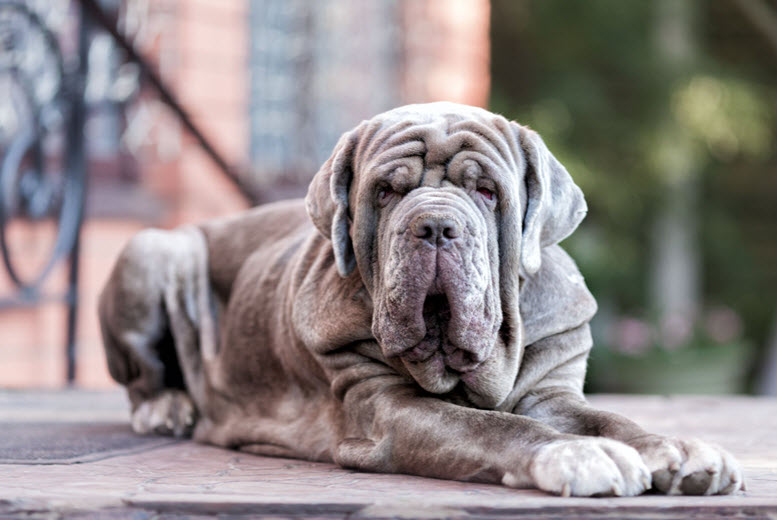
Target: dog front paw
[587, 467]
[689, 466]
[172, 412]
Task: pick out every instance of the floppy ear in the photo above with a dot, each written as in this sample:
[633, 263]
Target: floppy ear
[554, 204]
[327, 201]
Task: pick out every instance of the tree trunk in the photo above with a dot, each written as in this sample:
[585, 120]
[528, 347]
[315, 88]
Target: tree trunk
[675, 274]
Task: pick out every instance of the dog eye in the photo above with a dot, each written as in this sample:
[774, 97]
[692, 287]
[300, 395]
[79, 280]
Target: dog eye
[486, 193]
[385, 193]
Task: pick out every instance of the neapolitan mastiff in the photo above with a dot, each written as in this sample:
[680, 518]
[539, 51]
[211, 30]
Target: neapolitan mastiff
[418, 318]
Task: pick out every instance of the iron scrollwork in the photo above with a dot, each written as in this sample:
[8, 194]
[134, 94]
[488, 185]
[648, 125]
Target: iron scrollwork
[42, 173]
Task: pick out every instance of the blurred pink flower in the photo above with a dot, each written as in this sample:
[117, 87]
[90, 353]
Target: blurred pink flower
[676, 330]
[632, 336]
[722, 324]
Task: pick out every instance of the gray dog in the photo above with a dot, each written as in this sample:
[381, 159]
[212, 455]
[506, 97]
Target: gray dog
[418, 318]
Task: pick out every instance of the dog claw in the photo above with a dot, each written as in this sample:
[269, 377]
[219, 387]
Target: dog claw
[509, 480]
[646, 482]
[566, 490]
[616, 490]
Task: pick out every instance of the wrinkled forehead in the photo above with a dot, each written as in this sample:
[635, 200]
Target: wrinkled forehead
[423, 144]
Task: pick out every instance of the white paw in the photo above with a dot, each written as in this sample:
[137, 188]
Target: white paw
[587, 467]
[689, 466]
[172, 412]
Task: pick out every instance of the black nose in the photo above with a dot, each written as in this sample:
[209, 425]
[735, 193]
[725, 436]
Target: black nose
[435, 230]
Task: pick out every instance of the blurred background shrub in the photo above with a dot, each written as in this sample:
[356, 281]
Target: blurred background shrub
[664, 113]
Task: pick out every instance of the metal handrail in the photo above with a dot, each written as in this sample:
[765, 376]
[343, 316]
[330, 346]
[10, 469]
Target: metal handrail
[110, 25]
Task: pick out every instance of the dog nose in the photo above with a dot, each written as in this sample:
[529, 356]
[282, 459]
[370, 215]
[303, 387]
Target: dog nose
[435, 230]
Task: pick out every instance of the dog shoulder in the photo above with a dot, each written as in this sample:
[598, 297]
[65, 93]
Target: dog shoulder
[330, 311]
[555, 299]
[232, 240]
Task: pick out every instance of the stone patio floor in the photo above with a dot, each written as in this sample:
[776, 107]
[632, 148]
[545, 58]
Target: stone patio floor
[161, 477]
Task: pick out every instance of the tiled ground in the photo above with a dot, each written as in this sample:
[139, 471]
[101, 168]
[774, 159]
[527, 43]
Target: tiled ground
[186, 479]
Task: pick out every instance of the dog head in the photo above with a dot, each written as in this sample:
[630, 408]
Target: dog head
[443, 209]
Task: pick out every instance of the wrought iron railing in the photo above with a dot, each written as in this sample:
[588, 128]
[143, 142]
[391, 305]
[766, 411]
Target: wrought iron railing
[44, 101]
[43, 168]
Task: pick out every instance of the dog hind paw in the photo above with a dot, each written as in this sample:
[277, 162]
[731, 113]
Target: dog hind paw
[172, 412]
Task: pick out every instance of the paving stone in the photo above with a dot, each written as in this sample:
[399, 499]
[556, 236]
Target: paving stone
[187, 479]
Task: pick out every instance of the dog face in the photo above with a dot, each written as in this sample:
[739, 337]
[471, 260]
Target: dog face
[443, 208]
[435, 275]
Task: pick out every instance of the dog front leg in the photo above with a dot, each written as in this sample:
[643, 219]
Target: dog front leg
[391, 426]
[677, 466]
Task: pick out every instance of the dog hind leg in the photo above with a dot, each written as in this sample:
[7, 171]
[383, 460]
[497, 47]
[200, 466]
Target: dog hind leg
[152, 314]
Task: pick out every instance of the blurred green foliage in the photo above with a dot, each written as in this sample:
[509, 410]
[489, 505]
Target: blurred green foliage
[591, 78]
